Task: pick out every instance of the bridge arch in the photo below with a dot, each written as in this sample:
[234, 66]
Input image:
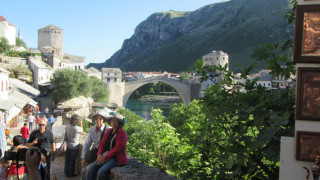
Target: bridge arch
[182, 88]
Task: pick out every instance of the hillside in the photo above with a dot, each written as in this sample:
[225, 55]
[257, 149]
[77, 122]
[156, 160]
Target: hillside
[173, 41]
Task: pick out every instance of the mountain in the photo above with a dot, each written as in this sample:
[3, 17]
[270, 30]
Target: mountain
[172, 41]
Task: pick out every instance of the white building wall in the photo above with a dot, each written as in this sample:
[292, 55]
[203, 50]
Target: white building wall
[9, 32]
[11, 35]
[3, 28]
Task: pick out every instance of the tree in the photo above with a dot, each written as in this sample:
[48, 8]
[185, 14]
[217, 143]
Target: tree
[4, 46]
[98, 92]
[69, 84]
[184, 77]
[20, 42]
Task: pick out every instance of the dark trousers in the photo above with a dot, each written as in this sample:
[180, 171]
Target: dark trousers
[70, 162]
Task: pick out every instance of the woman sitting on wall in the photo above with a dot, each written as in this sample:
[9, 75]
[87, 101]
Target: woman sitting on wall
[112, 149]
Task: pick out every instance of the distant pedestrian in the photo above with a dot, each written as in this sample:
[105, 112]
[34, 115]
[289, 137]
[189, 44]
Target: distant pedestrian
[8, 139]
[31, 121]
[51, 120]
[25, 133]
[72, 137]
[37, 121]
[46, 110]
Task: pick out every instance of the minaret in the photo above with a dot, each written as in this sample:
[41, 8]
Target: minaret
[19, 35]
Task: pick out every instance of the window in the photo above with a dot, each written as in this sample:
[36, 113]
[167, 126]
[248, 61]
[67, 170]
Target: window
[217, 58]
[108, 74]
[223, 58]
[115, 74]
[108, 79]
[115, 79]
[268, 84]
[264, 84]
[2, 86]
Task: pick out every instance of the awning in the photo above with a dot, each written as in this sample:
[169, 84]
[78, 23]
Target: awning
[13, 112]
[45, 84]
[32, 103]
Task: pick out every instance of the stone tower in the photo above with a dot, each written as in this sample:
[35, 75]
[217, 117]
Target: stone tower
[51, 36]
[216, 58]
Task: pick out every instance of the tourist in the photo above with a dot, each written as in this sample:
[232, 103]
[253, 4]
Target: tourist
[46, 110]
[112, 149]
[25, 133]
[37, 121]
[19, 169]
[95, 135]
[72, 137]
[8, 139]
[45, 138]
[31, 120]
[51, 120]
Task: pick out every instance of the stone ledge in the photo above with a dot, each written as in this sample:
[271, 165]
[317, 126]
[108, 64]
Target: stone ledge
[135, 170]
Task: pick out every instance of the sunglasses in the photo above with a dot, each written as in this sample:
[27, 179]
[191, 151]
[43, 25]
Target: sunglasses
[41, 124]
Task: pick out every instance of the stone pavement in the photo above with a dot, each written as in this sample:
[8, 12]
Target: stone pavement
[57, 165]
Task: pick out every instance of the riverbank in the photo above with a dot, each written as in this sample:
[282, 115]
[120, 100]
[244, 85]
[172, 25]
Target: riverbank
[159, 98]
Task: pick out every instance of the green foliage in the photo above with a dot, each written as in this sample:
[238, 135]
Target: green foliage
[69, 84]
[20, 42]
[85, 125]
[184, 77]
[4, 46]
[98, 92]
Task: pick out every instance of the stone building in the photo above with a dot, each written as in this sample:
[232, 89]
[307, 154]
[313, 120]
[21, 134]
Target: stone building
[8, 31]
[51, 36]
[92, 72]
[216, 58]
[42, 74]
[111, 75]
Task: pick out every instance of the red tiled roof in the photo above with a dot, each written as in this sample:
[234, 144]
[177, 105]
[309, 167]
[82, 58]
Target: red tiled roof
[156, 73]
[2, 18]
[11, 24]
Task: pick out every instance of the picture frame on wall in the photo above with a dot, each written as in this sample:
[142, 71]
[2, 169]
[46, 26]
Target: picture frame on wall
[307, 145]
[308, 94]
[307, 34]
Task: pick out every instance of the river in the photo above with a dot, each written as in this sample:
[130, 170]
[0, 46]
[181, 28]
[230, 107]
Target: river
[143, 107]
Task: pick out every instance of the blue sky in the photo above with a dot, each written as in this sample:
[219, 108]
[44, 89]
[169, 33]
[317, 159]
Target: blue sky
[95, 29]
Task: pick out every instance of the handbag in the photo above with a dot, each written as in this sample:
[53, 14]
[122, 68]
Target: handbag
[91, 155]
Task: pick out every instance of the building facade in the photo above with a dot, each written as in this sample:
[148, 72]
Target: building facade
[8, 31]
[111, 75]
[42, 73]
[51, 36]
[216, 58]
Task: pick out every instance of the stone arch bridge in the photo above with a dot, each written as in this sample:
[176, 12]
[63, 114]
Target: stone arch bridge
[186, 91]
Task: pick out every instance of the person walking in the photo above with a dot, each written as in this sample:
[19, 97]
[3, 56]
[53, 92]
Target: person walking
[37, 121]
[51, 120]
[112, 149]
[31, 121]
[25, 133]
[72, 137]
[44, 138]
[46, 110]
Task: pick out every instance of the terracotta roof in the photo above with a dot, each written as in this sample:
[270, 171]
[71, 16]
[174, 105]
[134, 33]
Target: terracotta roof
[2, 18]
[11, 24]
[156, 73]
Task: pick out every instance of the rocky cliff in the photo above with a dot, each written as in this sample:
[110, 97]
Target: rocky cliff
[173, 41]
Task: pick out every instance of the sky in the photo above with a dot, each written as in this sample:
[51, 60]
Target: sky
[95, 29]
